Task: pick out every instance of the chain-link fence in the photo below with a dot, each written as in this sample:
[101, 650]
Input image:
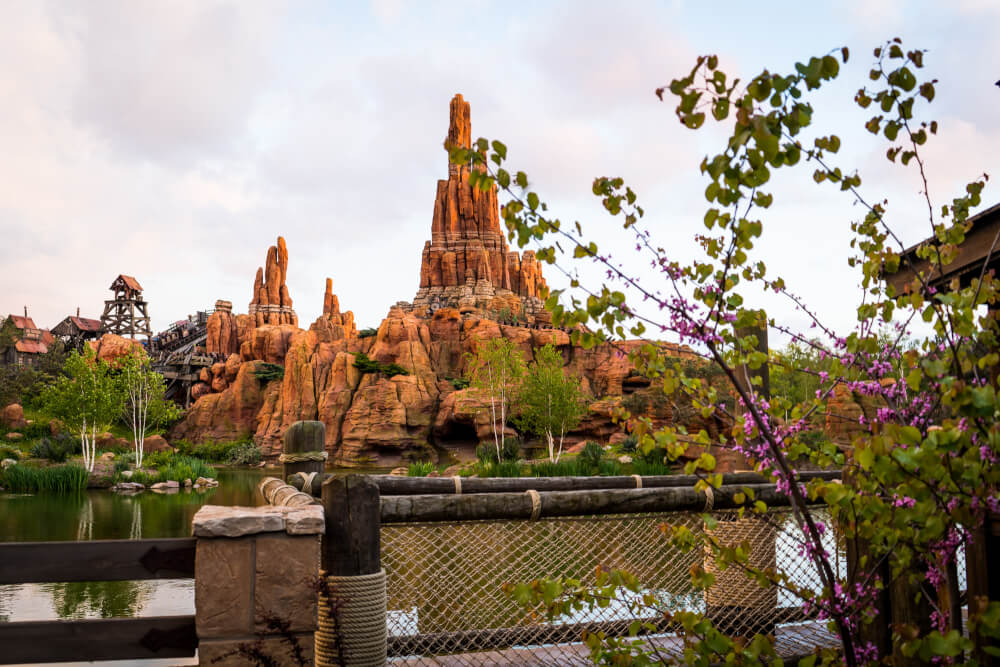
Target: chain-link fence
[446, 604]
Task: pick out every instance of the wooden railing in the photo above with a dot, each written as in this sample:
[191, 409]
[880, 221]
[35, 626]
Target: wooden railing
[97, 639]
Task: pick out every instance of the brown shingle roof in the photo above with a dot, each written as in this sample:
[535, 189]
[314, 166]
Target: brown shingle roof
[23, 322]
[85, 323]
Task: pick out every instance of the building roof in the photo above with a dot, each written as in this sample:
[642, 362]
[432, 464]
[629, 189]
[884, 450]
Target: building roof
[31, 346]
[85, 323]
[129, 281]
[22, 322]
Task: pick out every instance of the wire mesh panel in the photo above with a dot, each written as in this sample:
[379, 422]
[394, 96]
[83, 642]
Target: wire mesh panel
[446, 604]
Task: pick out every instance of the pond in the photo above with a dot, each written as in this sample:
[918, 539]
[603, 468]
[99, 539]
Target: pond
[104, 515]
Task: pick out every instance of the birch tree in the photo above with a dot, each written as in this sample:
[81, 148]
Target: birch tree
[87, 398]
[550, 402]
[143, 407]
[497, 369]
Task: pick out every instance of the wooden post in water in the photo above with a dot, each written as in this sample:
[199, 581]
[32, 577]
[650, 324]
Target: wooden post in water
[304, 448]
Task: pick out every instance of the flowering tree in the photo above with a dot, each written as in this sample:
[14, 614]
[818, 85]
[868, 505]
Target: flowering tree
[550, 403]
[87, 398]
[921, 471]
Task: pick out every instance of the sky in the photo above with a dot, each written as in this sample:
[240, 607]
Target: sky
[176, 141]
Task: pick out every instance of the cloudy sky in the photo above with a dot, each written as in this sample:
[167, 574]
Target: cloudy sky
[175, 141]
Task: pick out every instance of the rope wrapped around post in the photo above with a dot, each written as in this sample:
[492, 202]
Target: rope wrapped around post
[352, 621]
[304, 449]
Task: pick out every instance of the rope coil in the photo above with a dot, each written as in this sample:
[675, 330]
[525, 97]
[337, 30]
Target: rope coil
[302, 457]
[638, 481]
[536, 504]
[352, 621]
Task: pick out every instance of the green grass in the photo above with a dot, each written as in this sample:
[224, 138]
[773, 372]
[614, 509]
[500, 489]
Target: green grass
[649, 468]
[419, 469]
[165, 467]
[502, 469]
[564, 468]
[55, 479]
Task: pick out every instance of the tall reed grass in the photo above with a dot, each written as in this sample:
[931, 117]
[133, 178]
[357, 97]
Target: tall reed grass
[54, 479]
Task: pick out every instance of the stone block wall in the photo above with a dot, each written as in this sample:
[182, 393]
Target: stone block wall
[256, 575]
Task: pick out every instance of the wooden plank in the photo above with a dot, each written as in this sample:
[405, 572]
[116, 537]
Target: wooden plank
[394, 485]
[300, 437]
[403, 509]
[352, 543]
[98, 639]
[98, 560]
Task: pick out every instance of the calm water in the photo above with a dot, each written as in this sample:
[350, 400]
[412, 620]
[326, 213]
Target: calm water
[103, 515]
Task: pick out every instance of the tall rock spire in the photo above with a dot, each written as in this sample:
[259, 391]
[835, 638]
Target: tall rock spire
[270, 302]
[467, 261]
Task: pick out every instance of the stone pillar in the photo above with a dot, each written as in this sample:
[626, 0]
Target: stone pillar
[304, 448]
[256, 582]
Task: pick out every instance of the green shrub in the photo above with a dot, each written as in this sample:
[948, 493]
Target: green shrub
[167, 466]
[366, 365]
[243, 454]
[9, 453]
[630, 443]
[35, 430]
[591, 454]
[266, 372]
[420, 469]
[55, 479]
[367, 333]
[459, 383]
[510, 450]
[56, 449]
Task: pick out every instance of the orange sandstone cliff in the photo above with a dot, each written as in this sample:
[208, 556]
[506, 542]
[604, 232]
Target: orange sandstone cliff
[468, 277]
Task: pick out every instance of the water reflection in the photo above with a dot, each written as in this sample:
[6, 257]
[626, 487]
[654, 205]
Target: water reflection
[98, 599]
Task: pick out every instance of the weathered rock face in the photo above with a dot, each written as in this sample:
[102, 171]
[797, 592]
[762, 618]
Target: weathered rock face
[12, 416]
[270, 302]
[467, 262]
[110, 347]
[379, 420]
[223, 332]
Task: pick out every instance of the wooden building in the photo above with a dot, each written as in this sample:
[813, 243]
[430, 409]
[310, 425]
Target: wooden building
[76, 330]
[126, 314]
[21, 342]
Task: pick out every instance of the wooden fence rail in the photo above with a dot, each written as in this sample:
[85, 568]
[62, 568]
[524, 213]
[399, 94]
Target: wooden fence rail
[97, 639]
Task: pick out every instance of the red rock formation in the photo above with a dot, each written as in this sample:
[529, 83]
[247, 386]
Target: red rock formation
[467, 261]
[112, 346]
[223, 336]
[271, 303]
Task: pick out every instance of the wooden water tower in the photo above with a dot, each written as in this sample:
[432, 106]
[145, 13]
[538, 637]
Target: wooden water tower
[126, 314]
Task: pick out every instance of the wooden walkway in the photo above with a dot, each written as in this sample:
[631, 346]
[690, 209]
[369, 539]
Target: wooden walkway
[790, 640]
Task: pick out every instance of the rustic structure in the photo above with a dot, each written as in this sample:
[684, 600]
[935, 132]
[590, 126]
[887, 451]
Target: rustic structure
[75, 330]
[467, 263]
[21, 342]
[126, 314]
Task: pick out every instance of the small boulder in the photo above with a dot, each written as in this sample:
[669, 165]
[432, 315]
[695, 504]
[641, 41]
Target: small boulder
[108, 456]
[399, 472]
[12, 416]
[624, 458]
[187, 483]
[14, 437]
[127, 474]
[159, 486]
[155, 443]
[107, 440]
[6, 463]
[56, 426]
[173, 484]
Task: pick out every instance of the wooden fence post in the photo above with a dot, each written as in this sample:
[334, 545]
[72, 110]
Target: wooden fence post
[982, 550]
[304, 448]
[352, 599]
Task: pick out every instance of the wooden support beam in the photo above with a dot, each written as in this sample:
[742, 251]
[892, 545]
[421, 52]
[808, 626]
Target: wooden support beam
[472, 507]
[98, 639]
[352, 543]
[99, 560]
[302, 437]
